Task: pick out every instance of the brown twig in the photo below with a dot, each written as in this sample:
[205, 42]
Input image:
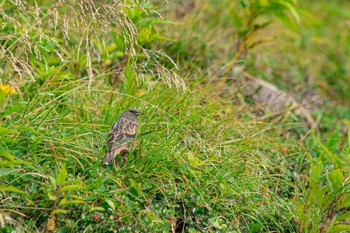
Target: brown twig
[243, 43]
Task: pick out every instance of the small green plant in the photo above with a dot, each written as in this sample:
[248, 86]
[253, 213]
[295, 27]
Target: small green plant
[9, 164]
[63, 194]
[250, 16]
[326, 193]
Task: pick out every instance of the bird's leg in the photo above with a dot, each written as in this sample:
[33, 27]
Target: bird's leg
[115, 165]
[126, 157]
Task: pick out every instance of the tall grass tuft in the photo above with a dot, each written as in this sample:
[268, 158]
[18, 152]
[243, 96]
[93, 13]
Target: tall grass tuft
[199, 165]
[84, 38]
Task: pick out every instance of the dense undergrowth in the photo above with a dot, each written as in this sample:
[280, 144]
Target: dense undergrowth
[204, 162]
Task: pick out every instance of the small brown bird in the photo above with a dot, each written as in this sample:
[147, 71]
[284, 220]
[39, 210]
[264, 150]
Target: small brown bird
[122, 134]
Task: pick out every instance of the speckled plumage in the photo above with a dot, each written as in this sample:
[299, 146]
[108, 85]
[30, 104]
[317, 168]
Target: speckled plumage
[122, 134]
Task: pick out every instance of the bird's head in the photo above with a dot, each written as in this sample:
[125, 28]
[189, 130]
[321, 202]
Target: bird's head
[131, 113]
[134, 111]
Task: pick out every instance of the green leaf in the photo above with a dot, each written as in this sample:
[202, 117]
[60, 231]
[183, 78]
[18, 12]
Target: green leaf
[59, 211]
[52, 197]
[13, 162]
[15, 108]
[312, 183]
[111, 204]
[133, 191]
[329, 155]
[72, 196]
[135, 188]
[339, 228]
[292, 10]
[6, 171]
[9, 140]
[6, 154]
[53, 181]
[336, 178]
[316, 171]
[334, 140]
[342, 217]
[286, 21]
[66, 202]
[62, 175]
[94, 208]
[70, 187]
[194, 161]
[344, 201]
[5, 131]
[11, 188]
[28, 129]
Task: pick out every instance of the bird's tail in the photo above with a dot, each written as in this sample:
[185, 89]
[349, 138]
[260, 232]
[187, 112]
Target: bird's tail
[109, 158]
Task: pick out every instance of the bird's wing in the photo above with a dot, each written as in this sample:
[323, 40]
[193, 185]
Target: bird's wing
[120, 136]
[121, 133]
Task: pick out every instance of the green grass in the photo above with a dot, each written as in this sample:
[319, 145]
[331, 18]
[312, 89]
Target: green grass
[208, 170]
[204, 162]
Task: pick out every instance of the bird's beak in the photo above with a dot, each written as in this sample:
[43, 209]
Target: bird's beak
[139, 113]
